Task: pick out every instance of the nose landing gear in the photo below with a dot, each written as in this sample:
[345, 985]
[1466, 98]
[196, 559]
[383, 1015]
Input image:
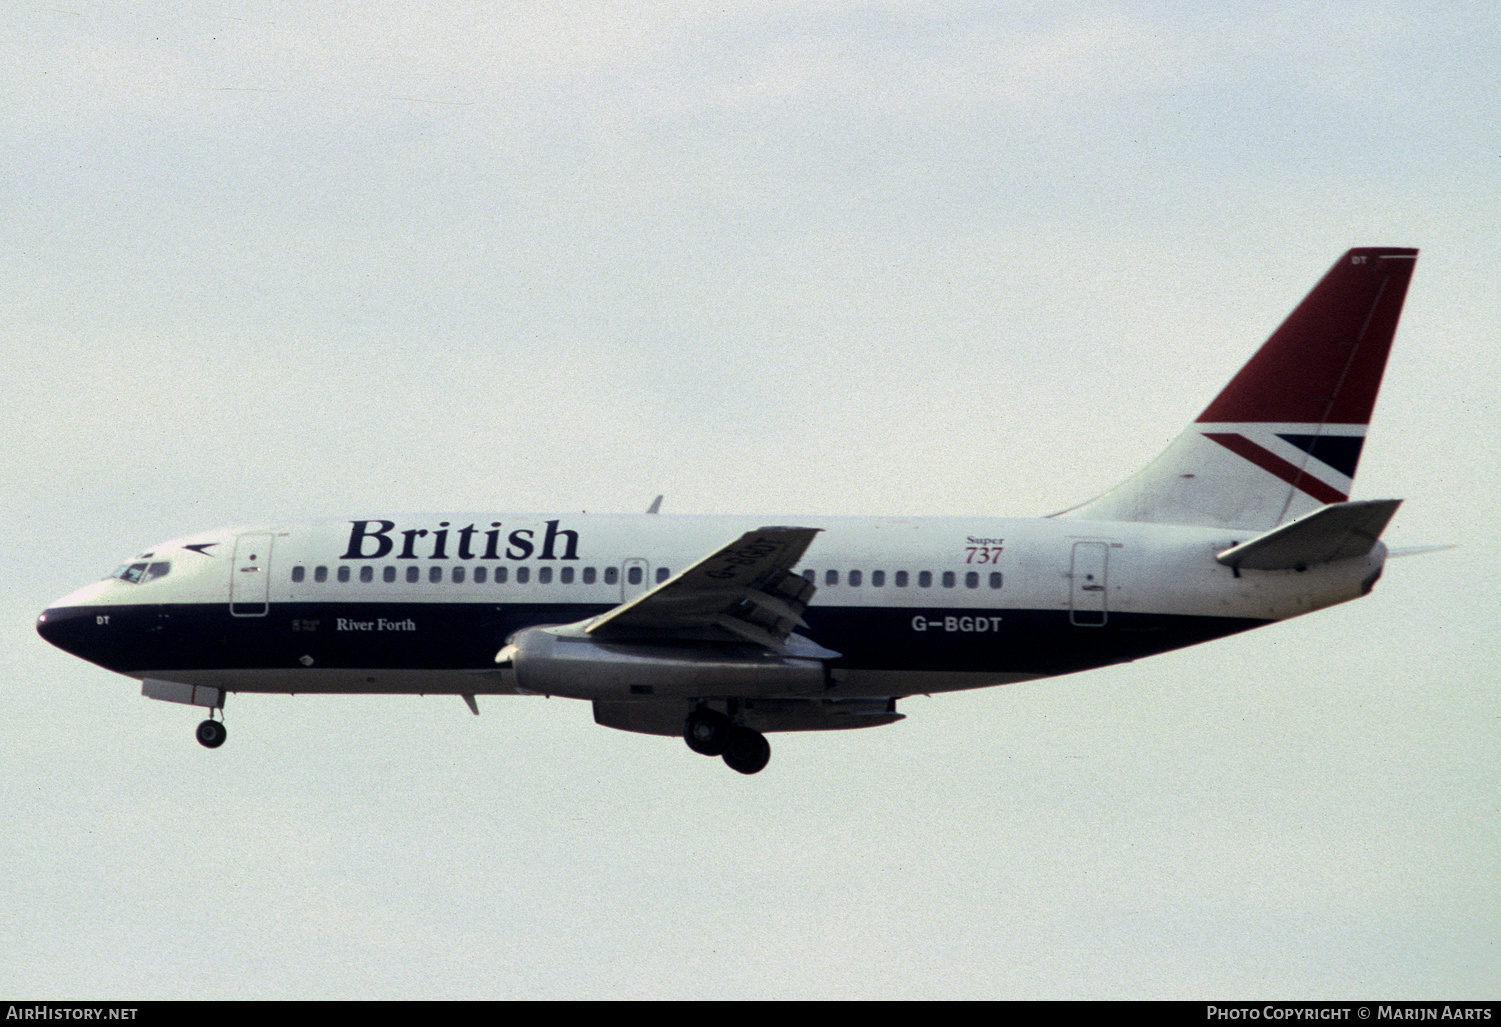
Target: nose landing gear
[211, 734]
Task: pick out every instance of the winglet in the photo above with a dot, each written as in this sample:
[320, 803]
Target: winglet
[656, 505]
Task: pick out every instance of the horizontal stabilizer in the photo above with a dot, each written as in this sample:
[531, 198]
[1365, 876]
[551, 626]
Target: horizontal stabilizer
[1340, 531]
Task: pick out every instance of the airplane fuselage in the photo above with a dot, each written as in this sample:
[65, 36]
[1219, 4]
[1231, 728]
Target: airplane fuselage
[912, 605]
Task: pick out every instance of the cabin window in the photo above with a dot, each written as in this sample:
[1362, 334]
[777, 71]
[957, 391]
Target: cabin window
[972, 579]
[479, 575]
[589, 575]
[633, 575]
[367, 574]
[458, 575]
[877, 579]
[948, 579]
[544, 575]
[809, 576]
[565, 575]
[523, 575]
[320, 574]
[924, 579]
[413, 573]
[901, 579]
[663, 574]
[344, 574]
[612, 575]
[855, 579]
[298, 573]
[434, 574]
[830, 578]
[501, 574]
[995, 579]
[388, 574]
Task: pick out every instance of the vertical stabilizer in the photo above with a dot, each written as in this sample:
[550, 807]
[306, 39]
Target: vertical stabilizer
[1284, 437]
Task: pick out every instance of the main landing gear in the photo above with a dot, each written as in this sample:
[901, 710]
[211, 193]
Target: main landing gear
[211, 734]
[711, 733]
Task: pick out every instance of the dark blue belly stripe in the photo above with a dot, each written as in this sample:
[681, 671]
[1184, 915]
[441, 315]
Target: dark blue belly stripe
[466, 636]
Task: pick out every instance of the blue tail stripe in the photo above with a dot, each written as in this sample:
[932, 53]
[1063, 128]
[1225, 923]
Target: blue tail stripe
[1341, 452]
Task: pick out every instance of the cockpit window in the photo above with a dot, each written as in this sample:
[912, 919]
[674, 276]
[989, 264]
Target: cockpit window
[139, 573]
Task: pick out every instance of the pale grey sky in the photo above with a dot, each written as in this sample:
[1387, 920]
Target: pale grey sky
[266, 261]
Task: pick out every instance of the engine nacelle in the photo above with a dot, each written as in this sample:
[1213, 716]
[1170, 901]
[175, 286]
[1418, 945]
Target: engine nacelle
[566, 662]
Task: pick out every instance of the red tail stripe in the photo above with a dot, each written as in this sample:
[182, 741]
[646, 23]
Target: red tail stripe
[1324, 364]
[1274, 464]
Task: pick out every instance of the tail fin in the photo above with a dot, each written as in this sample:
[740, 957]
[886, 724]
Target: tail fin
[1284, 437]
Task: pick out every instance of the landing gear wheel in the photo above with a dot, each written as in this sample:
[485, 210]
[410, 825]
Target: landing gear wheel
[707, 731]
[748, 751]
[211, 734]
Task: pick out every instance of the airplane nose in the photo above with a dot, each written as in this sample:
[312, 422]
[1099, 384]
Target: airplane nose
[76, 623]
[72, 630]
[51, 626]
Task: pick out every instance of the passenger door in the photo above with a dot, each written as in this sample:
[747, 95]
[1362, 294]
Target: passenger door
[250, 581]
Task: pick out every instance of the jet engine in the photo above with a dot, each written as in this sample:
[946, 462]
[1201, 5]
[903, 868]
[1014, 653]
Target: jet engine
[567, 662]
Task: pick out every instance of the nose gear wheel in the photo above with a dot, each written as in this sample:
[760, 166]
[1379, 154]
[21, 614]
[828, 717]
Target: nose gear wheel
[211, 734]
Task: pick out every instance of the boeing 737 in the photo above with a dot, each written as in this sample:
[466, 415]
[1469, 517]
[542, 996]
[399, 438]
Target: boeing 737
[722, 629]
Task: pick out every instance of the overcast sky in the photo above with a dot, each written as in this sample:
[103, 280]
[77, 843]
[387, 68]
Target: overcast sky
[264, 261]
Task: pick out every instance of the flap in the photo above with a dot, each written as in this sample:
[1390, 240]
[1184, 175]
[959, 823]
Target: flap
[745, 591]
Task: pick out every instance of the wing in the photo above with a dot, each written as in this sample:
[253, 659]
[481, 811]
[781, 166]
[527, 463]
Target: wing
[745, 592]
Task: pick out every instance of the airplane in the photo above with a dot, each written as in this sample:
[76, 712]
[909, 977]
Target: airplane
[722, 629]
